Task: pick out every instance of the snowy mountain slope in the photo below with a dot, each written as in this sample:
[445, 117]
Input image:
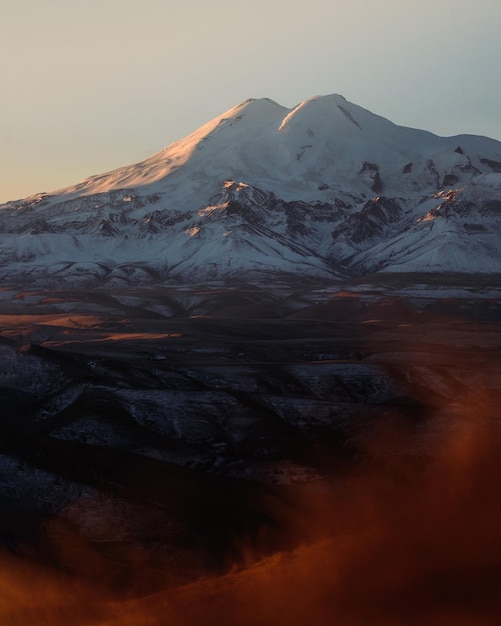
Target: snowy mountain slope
[323, 140]
[324, 189]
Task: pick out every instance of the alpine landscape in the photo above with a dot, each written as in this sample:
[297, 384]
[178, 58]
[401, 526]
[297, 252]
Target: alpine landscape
[255, 379]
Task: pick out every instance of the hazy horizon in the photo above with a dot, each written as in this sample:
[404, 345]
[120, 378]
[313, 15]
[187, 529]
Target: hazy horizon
[93, 87]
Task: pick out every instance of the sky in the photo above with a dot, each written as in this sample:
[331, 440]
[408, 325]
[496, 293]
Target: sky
[90, 86]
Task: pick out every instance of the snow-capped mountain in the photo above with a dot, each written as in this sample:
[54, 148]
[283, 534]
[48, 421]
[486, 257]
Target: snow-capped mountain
[325, 189]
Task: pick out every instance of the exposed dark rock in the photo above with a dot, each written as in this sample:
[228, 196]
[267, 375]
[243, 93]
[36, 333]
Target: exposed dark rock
[377, 186]
[495, 166]
[348, 115]
[235, 208]
[474, 228]
[492, 206]
[372, 170]
[449, 179]
[431, 168]
[453, 207]
[371, 221]
[39, 226]
[369, 167]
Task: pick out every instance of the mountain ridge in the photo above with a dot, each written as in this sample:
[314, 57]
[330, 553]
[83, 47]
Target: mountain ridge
[324, 189]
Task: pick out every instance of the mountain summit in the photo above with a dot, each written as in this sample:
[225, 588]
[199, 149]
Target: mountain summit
[324, 189]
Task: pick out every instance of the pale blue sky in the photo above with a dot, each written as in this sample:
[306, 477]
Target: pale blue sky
[90, 86]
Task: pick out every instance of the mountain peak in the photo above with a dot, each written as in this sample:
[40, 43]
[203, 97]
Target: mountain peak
[320, 109]
[332, 97]
[324, 140]
[260, 101]
[256, 106]
[319, 187]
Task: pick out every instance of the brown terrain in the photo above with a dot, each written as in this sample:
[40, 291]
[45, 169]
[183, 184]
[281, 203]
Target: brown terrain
[233, 454]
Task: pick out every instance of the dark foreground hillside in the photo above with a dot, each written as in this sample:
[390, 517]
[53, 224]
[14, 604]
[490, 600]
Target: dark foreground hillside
[235, 454]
